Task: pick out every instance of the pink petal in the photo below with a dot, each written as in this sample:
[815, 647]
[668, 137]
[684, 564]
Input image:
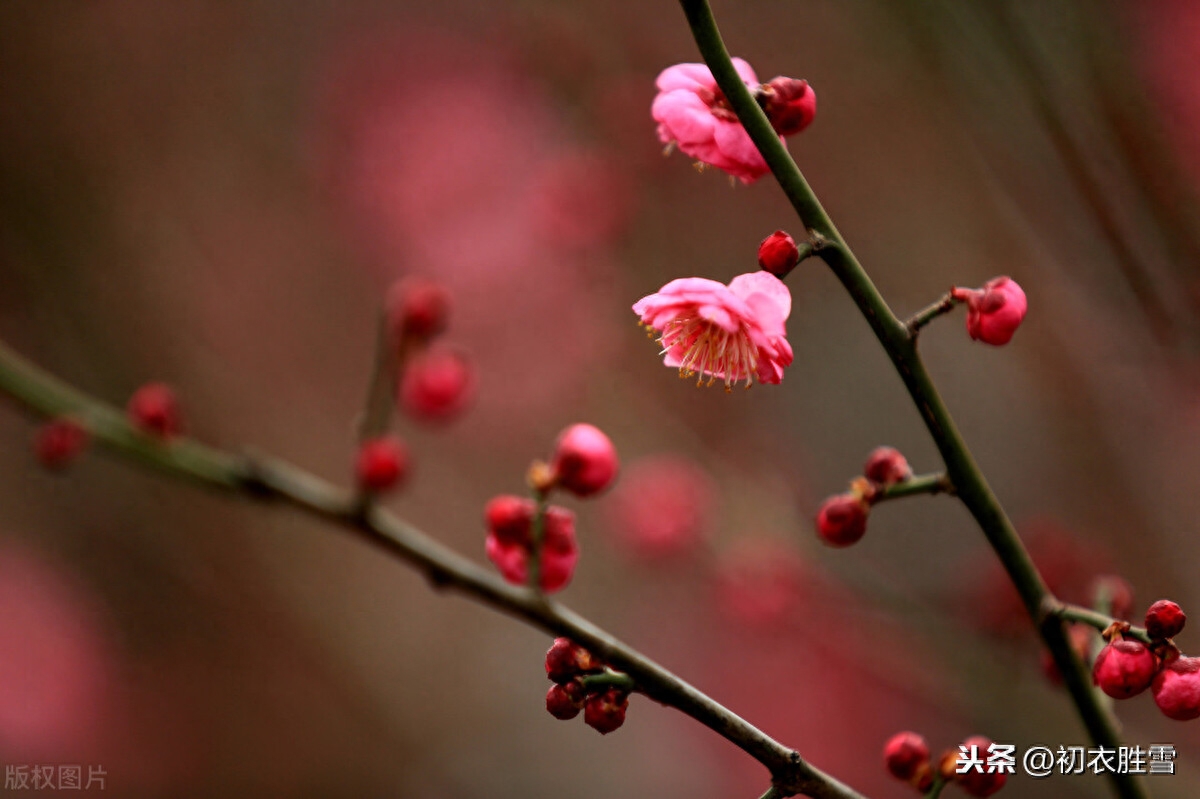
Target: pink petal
[719, 317]
[745, 70]
[766, 316]
[735, 144]
[688, 76]
[764, 284]
[686, 117]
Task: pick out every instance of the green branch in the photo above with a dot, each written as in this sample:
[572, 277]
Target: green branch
[971, 486]
[937, 483]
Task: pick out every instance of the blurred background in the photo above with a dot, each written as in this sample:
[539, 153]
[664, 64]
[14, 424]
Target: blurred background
[217, 195]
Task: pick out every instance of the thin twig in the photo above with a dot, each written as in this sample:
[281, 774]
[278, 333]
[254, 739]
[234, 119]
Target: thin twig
[937, 483]
[929, 313]
[274, 481]
[1101, 621]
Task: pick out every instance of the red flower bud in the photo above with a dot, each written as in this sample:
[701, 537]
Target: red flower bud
[605, 712]
[1124, 668]
[790, 104]
[418, 308]
[980, 783]
[560, 552]
[437, 385]
[566, 660]
[154, 409]
[565, 701]
[842, 520]
[1177, 689]
[382, 464]
[1164, 619]
[994, 312]
[59, 441]
[509, 518]
[778, 254]
[886, 466]
[585, 460]
[904, 754]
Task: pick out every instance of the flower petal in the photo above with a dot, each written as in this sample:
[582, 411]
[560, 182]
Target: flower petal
[688, 76]
[764, 284]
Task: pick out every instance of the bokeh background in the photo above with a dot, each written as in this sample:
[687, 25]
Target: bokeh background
[218, 195]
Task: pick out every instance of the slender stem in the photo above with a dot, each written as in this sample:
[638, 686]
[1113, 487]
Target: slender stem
[773, 793]
[1101, 621]
[971, 486]
[805, 249]
[935, 790]
[929, 313]
[267, 479]
[937, 483]
[381, 391]
[537, 536]
[609, 679]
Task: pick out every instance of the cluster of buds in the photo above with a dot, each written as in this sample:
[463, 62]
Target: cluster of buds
[842, 518]
[1126, 667]
[437, 382]
[584, 463]
[568, 666]
[906, 757]
[995, 311]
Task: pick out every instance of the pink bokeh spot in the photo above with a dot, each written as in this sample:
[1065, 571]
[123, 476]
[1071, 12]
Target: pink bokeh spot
[760, 582]
[56, 671]
[441, 156]
[693, 115]
[662, 507]
[732, 333]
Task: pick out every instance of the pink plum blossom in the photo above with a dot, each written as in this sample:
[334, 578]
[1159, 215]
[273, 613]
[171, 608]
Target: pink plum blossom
[732, 333]
[693, 114]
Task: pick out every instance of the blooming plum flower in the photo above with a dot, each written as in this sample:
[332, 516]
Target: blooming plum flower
[693, 114]
[732, 333]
